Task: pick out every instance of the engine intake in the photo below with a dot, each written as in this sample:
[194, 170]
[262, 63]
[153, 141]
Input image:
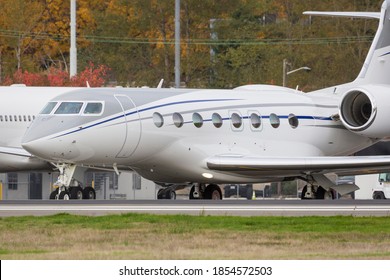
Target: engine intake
[357, 110]
[366, 111]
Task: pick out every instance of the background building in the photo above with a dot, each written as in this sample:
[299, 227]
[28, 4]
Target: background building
[108, 185]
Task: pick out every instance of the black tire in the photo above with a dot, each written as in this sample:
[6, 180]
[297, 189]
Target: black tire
[213, 192]
[89, 193]
[304, 190]
[171, 195]
[53, 194]
[76, 193]
[192, 193]
[321, 193]
[166, 194]
[160, 194]
[378, 195]
[64, 196]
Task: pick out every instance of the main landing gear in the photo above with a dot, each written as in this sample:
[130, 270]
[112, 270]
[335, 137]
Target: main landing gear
[202, 191]
[316, 192]
[68, 188]
[318, 187]
[198, 191]
[167, 193]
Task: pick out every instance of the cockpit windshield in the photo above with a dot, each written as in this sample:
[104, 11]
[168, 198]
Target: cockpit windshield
[93, 108]
[73, 108]
[48, 108]
[69, 108]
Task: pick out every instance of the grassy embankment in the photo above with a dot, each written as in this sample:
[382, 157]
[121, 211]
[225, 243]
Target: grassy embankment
[135, 236]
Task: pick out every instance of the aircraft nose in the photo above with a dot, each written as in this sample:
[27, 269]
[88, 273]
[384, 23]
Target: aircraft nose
[34, 140]
[36, 148]
[40, 138]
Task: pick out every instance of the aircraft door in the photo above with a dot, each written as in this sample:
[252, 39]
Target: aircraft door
[132, 126]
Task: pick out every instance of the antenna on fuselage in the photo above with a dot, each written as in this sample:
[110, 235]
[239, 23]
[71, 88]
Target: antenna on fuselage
[160, 83]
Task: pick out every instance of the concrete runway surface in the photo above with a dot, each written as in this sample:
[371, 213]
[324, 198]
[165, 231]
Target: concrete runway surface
[193, 207]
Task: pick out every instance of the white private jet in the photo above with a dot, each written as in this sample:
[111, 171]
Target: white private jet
[202, 138]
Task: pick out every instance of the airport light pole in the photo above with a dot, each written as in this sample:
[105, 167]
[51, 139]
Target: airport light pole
[177, 43]
[286, 65]
[73, 48]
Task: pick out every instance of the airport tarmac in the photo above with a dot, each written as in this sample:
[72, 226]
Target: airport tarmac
[193, 207]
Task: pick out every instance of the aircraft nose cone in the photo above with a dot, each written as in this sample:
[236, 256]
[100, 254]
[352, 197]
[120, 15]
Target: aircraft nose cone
[36, 140]
[36, 148]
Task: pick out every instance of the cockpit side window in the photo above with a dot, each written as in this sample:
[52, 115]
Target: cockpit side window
[69, 108]
[48, 108]
[93, 108]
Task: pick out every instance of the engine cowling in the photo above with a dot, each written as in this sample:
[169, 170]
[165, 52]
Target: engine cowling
[366, 111]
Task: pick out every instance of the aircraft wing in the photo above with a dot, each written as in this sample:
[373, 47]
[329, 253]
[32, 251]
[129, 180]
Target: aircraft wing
[14, 151]
[285, 167]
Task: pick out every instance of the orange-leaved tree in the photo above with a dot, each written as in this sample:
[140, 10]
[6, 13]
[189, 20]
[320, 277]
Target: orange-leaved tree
[96, 76]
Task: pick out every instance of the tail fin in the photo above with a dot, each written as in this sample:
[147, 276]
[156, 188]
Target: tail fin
[376, 68]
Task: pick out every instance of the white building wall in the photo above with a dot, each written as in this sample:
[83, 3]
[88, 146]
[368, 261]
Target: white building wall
[130, 188]
[22, 190]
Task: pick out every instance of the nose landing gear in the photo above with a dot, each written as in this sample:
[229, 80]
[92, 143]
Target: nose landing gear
[67, 187]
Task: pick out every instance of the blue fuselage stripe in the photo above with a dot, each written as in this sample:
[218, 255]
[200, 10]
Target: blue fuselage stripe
[385, 54]
[186, 102]
[145, 109]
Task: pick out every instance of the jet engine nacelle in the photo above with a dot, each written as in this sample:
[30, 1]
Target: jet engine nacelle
[366, 111]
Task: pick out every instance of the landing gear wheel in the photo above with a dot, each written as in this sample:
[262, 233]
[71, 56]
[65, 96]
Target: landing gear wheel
[303, 194]
[54, 194]
[329, 195]
[213, 192]
[192, 191]
[324, 194]
[171, 195]
[160, 194]
[64, 196]
[166, 194]
[76, 193]
[89, 193]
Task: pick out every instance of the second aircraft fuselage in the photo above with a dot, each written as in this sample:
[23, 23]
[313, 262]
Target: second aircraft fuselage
[18, 107]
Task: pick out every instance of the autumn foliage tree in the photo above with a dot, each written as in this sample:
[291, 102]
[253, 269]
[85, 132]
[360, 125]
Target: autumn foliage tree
[224, 43]
[94, 76]
[34, 34]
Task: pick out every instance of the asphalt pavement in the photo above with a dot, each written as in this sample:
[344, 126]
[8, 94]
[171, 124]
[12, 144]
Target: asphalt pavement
[198, 207]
